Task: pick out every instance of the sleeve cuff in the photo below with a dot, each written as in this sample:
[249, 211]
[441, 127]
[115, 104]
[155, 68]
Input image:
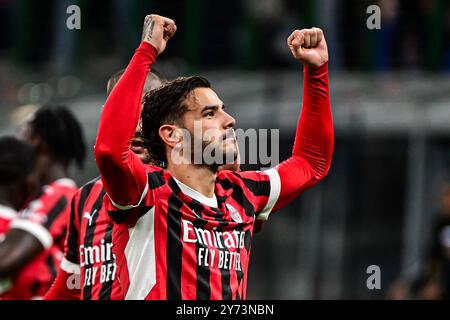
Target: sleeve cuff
[317, 71]
[70, 267]
[36, 229]
[149, 50]
[131, 206]
[275, 189]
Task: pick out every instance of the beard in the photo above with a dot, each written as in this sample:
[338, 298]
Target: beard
[215, 153]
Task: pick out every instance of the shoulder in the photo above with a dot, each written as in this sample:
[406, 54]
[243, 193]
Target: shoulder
[257, 182]
[62, 187]
[157, 176]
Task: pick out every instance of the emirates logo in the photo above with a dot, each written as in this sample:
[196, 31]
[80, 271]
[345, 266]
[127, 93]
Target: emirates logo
[234, 213]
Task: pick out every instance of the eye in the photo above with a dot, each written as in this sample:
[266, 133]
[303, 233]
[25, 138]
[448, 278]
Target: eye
[209, 114]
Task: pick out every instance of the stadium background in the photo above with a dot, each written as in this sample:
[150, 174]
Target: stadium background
[390, 91]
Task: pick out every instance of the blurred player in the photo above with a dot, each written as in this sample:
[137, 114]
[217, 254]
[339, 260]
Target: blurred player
[17, 184]
[81, 274]
[57, 139]
[185, 232]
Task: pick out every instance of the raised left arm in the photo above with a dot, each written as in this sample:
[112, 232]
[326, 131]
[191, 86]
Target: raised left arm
[314, 141]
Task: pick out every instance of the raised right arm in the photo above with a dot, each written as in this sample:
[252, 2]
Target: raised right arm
[123, 174]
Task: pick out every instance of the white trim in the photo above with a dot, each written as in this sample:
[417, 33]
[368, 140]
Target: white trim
[36, 229]
[140, 257]
[275, 189]
[69, 266]
[67, 182]
[194, 194]
[131, 206]
[7, 212]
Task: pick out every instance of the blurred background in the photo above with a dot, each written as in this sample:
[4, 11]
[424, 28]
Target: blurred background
[385, 201]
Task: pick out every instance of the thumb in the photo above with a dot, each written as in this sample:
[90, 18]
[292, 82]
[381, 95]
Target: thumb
[298, 40]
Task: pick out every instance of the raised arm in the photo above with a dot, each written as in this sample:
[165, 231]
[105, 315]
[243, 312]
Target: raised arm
[314, 140]
[123, 174]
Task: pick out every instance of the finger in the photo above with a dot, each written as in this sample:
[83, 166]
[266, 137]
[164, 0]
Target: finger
[307, 39]
[292, 37]
[169, 31]
[313, 34]
[319, 34]
[299, 40]
[167, 21]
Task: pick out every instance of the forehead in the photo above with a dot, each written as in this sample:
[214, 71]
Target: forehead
[201, 97]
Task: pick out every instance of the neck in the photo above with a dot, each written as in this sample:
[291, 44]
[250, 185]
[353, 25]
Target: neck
[199, 178]
[53, 172]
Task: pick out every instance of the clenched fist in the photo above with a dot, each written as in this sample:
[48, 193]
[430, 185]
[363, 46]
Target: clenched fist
[158, 30]
[309, 47]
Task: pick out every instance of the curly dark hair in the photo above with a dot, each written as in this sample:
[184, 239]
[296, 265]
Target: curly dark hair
[166, 105]
[62, 132]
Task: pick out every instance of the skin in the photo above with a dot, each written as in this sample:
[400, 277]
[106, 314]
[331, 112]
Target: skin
[48, 169]
[19, 247]
[307, 46]
[204, 106]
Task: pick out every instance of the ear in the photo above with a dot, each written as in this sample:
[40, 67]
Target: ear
[171, 135]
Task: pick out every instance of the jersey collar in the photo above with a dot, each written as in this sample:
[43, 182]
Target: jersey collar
[211, 202]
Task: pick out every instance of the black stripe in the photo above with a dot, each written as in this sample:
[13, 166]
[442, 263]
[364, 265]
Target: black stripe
[54, 213]
[174, 252]
[72, 238]
[203, 288]
[51, 265]
[86, 190]
[226, 287]
[225, 274]
[239, 196]
[105, 291]
[258, 188]
[89, 239]
[240, 273]
[155, 180]
[118, 216]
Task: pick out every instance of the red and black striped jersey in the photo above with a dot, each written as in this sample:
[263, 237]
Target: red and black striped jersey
[178, 244]
[47, 216]
[174, 243]
[88, 246]
[34, 279]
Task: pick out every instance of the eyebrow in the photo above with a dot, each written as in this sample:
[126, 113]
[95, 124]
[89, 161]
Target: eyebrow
[213, 108]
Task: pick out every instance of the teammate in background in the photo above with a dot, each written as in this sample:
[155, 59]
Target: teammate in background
[17, 184]
[57, 140]
[82, 275]
[185, 232]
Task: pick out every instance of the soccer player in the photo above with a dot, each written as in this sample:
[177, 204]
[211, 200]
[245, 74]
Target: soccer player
[88, 269]
[57, 139]
[17, 184]
[185, 232]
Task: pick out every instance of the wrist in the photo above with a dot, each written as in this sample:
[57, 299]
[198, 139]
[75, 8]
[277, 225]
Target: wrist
[148, 49]
[313, 70]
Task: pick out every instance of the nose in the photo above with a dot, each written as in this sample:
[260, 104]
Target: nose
[229, 121]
